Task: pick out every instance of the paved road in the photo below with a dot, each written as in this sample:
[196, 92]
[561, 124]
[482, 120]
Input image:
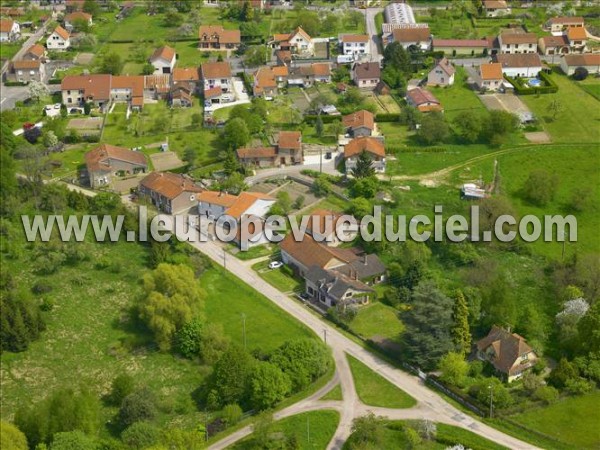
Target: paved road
[328, 167]
[373, 33]
[11, 95]
[430, 405]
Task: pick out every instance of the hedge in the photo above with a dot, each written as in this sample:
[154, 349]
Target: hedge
[388, 117]
[312, 118]
[400, 149]
[15, 83]
[522, 89]
[54, 81]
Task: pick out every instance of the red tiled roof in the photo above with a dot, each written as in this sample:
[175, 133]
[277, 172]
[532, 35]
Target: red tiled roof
[301, 32]
[216, 33]
[135, 83]
[491, 71]
[566, 20]
[213, 92]
[577, 33]
[309, 252]
[495, 4]
[166, 53]
[354, 38]
[446, 66]
[586, 59]
[290, 139]
[407, 35]
[160, 83]
[186, 74]
[519, 60]
[420, 96]
[367, 144]
[99, 158]
[93, 86]
[554, 41]
[26, 64]
[6, 25]
[37, 50]
[62, 32]
[362, 118]
[367, 71]
[507, 347]
[244, 201]
[170, 185]
[219, 69]
[217, 198]
[518, 38]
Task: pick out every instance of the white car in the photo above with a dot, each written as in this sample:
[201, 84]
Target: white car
[275, 264]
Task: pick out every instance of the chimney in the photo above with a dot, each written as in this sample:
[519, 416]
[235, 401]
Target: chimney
[365, 260]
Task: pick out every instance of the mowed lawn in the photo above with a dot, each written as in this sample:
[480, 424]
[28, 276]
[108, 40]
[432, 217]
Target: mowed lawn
[313, 430]
[574, 421]
[374, 390]
[282, 278]
[376, 321]
[579, 120]
[458, 97]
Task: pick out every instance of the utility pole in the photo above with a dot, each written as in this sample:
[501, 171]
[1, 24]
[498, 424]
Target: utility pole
[244, 328]
[491, 401]
[325, 335]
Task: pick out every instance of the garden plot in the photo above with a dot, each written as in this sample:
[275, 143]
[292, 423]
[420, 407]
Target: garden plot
[86, 126]
[505, 102]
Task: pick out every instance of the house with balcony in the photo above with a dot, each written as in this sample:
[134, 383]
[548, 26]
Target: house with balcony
[558, 25]
[217, 38]
[514, 42]
[356, 45]
[489, 77]
[217, 82]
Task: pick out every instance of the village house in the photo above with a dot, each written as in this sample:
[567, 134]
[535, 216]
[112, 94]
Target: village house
[251, 206]
[12, 12]
[489, 77]
[170, 192]
[307, 75]
[360, 123]
[527, 65]
[423, 100]
[287, 151]
[508, 352]
[24, 71]
[106, 162]
[190, 76]
[418, 38]
[495, 8]
[217, 82]
[577, 39]
[454, 47]
[442, 74]
[79, 89]
[331, 288]
[128, 89]
[558, 25]
[589, 61]
[372, 146]
[36, 52]
[163, 60]
[366, 75]
[9, 30]
[215, 37]
[512, 42]
[157, 87]
[73, 18]
[180, 95]
[59, 39]
[297, 42]
[355, 45]
[268, 80]
[554, 45]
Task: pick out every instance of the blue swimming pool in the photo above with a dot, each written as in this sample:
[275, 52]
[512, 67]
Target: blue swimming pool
[535, 82]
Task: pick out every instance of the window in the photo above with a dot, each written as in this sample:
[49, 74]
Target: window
[348, 294]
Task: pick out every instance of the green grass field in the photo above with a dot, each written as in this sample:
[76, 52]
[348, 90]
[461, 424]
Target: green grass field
[334, 394]
[313, 430]
[374, 390]
[573, 421]
[377, 321]
[458, 97]
[577, 122]
[90, 337]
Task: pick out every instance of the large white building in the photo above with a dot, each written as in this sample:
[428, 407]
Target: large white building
[399, 13]
[354, 44]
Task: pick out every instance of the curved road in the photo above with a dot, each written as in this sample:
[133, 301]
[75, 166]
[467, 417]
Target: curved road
[429, 404]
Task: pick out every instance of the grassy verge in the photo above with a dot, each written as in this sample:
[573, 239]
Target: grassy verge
[257, 251]
[377, 321]
[374, 390]
[313, 430]
[282, 278]
[334, 394]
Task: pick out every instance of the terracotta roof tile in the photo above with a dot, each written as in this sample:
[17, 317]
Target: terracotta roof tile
[577, 33]
[217, 198]
[586, 59]
[367, 144]
[96, 87]
[26, 65]
[37, 50]
[309, 252]
[62, 32]
[170, 185]
[219, 69]
[99, 158]
[362, 118]
[507, 347]
[367, 71]
[6, 25]
[408, 35]
[477, 43]
[78, 15]
[354, 38]
[218, 34]
[166, 53]
[518, 38]
[519, 60]
[420, 96]
[491, 71]
[185, 74]
[290, 139]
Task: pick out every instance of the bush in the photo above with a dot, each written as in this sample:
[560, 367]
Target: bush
[41, 287]
[231, 414]
[140, 435]
[547, 394]
[121, 387]
[390, 117]
[580, 74]
[579, 386]
[188, 339]
[136, 407]
[521, 88]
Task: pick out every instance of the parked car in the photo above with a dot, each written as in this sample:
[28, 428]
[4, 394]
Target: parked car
[275, 264]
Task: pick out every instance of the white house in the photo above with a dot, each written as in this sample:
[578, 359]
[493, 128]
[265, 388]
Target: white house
[251, 206]
[163, 60]
[489, 76]
[217, 82]
[442, 74]
[301, 43]
[526, 65]
[9, 30]
[558, 25]
[515, 43]
[416, 37]
[59, 39]
[354, 44]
